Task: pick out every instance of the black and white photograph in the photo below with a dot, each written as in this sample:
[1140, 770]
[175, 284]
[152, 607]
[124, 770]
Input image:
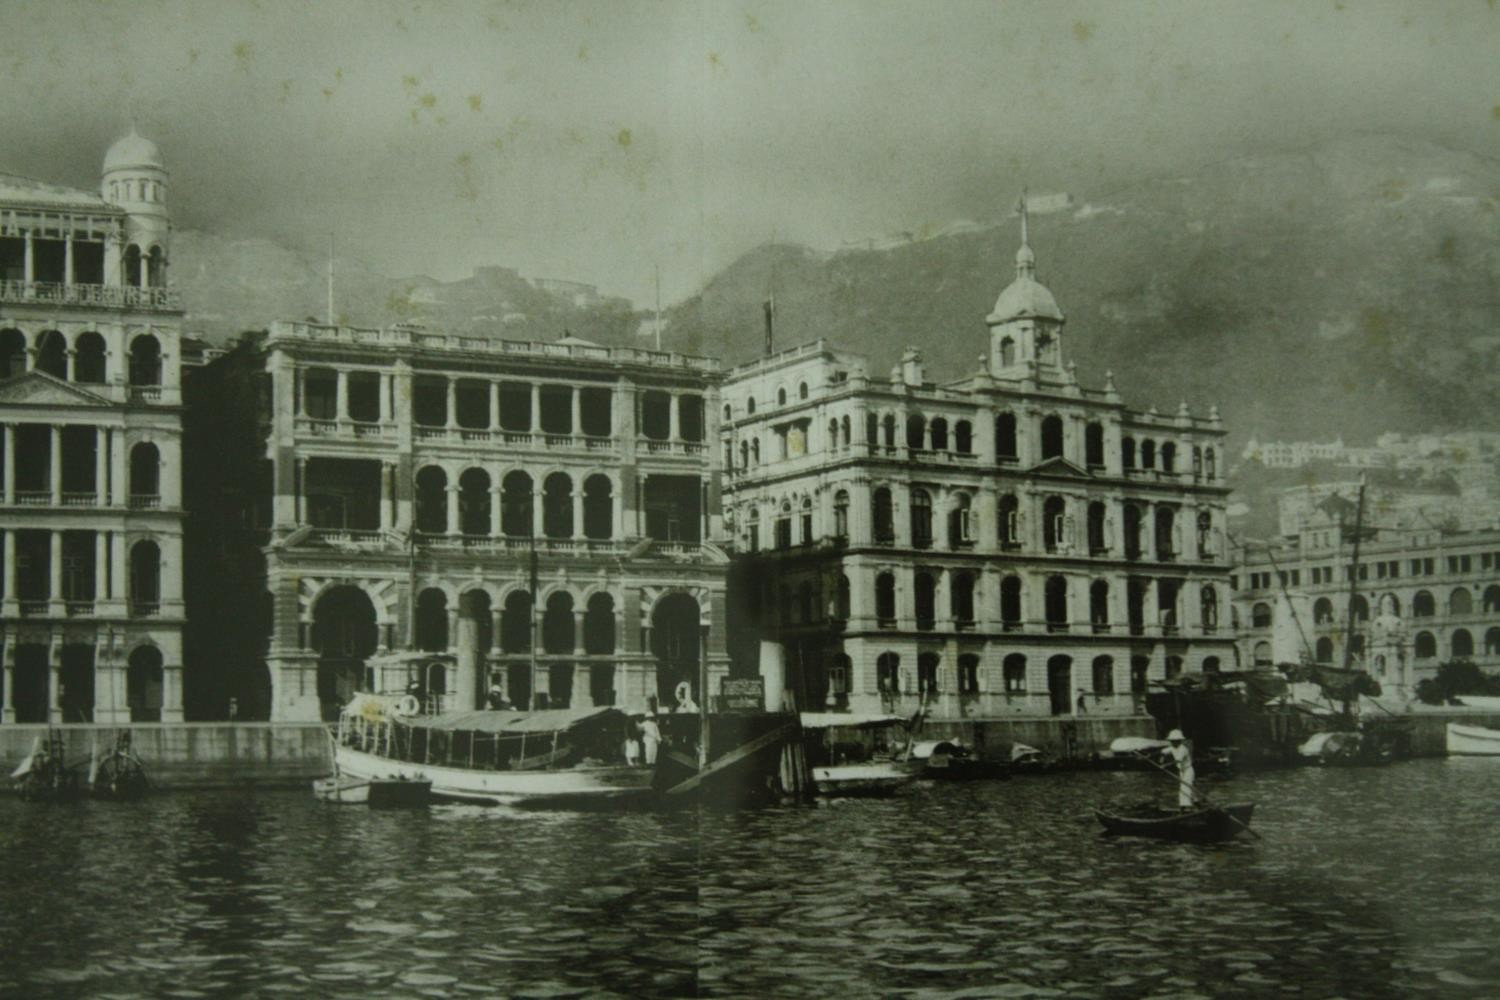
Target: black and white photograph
[750, 498]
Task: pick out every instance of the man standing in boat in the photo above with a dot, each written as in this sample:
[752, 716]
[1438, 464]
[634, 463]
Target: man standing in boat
[1182, 756]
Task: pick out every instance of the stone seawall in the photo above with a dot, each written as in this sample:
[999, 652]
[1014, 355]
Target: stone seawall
[194, 754]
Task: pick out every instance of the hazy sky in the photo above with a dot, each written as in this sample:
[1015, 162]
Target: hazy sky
[592, 141]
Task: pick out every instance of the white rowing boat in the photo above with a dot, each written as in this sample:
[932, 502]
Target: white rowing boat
[1473, 741]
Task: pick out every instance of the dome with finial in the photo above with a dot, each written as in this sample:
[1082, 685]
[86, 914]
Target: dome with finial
[1025, 298]
[133, 152]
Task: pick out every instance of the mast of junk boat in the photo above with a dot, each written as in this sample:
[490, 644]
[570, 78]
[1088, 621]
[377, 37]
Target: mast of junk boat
[1359, 523]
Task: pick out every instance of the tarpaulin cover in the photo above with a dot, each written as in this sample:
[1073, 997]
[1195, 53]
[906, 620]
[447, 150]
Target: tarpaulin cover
[492, 721]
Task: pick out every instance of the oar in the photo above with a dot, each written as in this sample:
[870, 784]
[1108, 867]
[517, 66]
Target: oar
[1199, 796]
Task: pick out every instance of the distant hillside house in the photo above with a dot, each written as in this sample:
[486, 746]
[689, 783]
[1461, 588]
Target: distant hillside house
[1008, 544]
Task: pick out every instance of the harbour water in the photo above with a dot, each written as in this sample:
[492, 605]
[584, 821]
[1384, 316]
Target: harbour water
[1368, 883]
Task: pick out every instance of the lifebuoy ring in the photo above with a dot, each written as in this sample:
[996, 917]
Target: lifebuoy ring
[684, 693]
[408, 705]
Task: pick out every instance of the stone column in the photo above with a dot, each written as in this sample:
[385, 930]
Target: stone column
[71, 364]
[54, 568]
[674, 418]
[386, 414]
[299, 489]
[387, 472]
[28, 267]
[578, 510]
[495, 509]
[10, 573]
[453, 496]
[10, 468]
[7, 645]
[451, 387]
[536, 513]
[68, 264]
[536, 407]
[101, 466]
[576, 427]
[494, 406]
[101, 566]
[341, 395]
[117, 484]
[54, 466]
[117, 566]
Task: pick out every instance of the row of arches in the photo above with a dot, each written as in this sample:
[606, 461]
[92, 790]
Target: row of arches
[474, 494]
[77, 682]
[83, 361]
[31, 578]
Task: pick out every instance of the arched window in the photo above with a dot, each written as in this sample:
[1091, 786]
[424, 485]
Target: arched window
[802, 390]
[968, 674]
[872, 429]
[889, 428]
[145, 474]
[885, 598]
[1010, 528]
[1322, 611]
[1361, 608]
[1133, 519]
[1463, 644]
[755, 451]
[1260, 615]
[1054, 512]
[1208, 605]
[1324, 650]
[844, 425]
[939, 434]
[431, 625]
[728, 413]
[598, 507]
[1052, 437]
[1005, 436]
[1424, 646]
[1166, 549]
[1104, 675]
[1057, 604]
[841, 598]
[927, 673]
[781, 397]
[1208, 464]
[750, 404]
[916, 432]
[1093, 445]
[52, 354]
[1423, 605]
[1015, 673]
[960, 522]
[1007, 352]
[1492, 642]
[921, 518]
[132, 264]
[474, 502]
[515, 623]
[145, 361]
[1148, 454]
[888, 674]
[1168, 457]
[557, 624]
[1127, 452]
[1262, 654]
[599, 625]
[1205, 523]
[784, 525]
[12, 352]
[1173, 667]
[752, 530]
[1197, 462]
[557, 506]
[1098, 529]
[145, 578]
[1010, 602]
[432, 500]
[963, 437]
[841, 515]
[925, 591]
[962, 598]
[1460, 602]
[807, 521]
[1140, 669]
[516, 519]
[156, 268]
[88, 360]
[1491, 599]
[1099, 605]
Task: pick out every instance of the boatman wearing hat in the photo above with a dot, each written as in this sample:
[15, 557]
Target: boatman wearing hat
[1182, 756]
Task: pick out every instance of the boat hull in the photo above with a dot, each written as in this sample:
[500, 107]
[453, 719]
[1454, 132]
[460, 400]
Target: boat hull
[1473, 741]
[398, 793]
[874, 779]
[563, 787]
[1200, 826]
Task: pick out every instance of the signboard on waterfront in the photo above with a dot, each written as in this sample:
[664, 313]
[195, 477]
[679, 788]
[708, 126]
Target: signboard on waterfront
[742, 694]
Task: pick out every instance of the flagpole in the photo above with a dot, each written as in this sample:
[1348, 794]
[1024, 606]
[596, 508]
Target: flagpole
[658, 307]
[1359, 522]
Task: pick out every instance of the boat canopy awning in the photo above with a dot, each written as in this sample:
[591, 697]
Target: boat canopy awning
[498, 721]
[848, 720]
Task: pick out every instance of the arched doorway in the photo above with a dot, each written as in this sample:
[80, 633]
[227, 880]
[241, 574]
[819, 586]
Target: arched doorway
[75, 695]
[1060, 684]
[31, 681]
[343, 635]
[675, 642]
[143, 684]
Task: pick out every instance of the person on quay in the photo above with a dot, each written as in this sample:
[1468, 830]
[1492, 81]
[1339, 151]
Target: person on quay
[632, 743]
[1181, 755]
[650, 738]
[1082, 704]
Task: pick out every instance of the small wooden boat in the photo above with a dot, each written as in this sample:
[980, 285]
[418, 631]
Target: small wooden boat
[868, 761]
[1473, 741]
[1203, 825]
[870, 779]
[378, 793]
[951, 760]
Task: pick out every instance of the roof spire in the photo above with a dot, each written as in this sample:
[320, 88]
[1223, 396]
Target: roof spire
[1025, 259]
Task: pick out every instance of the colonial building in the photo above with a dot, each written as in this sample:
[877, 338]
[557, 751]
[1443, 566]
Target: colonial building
[1010, 543]
[1419, 597]
[92, 609]
[463, 512]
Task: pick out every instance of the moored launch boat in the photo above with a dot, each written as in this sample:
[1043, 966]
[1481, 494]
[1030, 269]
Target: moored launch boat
[1201, 825]
[951, 760]
[564, 757]
[871, 765]
[1473, 741]
[393, 793]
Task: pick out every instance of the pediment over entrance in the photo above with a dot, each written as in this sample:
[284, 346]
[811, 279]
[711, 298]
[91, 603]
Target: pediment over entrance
[35, 388]
[1061, 467]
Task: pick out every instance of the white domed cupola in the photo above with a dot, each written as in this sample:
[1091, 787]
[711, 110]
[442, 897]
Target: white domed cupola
[1026, 324]
[135, 178]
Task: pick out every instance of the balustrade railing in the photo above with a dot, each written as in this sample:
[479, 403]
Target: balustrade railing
[90, 499]
[100, 296]
[144, 501]
[33, 498]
